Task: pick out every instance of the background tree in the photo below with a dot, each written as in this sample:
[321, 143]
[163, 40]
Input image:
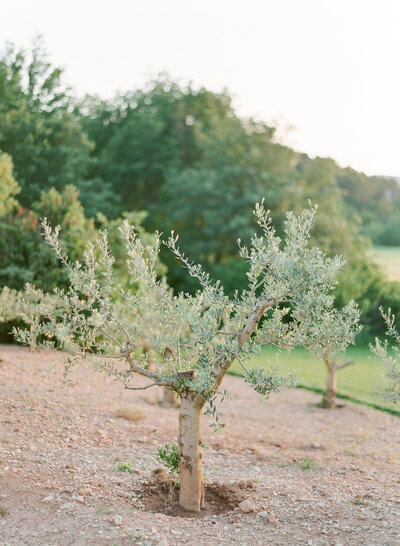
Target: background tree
[23, 256]
[8, 185]
[85, 323]
[390, 357]
[337, 329]
[37, 128]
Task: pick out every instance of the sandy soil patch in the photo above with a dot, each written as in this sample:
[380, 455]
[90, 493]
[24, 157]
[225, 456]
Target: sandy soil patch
[316, 476]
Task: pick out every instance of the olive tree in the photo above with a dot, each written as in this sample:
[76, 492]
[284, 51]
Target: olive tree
[390, 357]
[336, 329]
[85, 323]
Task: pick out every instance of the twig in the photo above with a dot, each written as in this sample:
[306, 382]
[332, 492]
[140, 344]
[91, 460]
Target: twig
[112, 338]
[139, 388]
[346, 364]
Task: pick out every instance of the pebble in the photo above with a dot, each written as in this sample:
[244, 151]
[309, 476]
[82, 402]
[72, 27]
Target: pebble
[49, 498]
[246, 506]
[117, 520]
[67, 506]
[79, 498]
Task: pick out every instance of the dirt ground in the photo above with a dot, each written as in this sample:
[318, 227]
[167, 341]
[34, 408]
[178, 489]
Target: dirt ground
[313, 476]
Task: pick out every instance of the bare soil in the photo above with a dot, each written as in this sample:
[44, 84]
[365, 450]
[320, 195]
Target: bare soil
[161, 495]
[314, 476]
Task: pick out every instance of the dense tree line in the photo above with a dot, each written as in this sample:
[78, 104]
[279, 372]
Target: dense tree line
[186, 158]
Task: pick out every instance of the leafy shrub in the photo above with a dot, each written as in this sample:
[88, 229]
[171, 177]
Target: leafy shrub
[125, 467]
[168, 455]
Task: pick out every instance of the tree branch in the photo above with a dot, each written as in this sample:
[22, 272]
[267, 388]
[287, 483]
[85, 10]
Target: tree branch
[350, 363]
[223, 363]
[139, 388]
[112, 338]
[254, 318]
[158, 379]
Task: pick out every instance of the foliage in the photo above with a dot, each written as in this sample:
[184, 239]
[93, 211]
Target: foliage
[125, 467]
[376, 199]
[168, 455]
[37, 128]
[86, 323]
[98, 196]
[265, 383]
[8, 304]
[307, 464]
[390, 358]
[8, 186]
[136, 218]
[12, 303]
[386, 232]
[337, 328]
[23, 256]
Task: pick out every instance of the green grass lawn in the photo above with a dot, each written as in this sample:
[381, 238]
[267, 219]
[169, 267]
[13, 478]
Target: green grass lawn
[359, 382]
[388, 257]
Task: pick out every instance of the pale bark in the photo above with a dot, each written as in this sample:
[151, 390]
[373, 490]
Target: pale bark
[330, 394]
[191, 495]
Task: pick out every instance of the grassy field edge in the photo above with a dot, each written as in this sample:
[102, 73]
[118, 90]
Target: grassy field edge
[317, 390]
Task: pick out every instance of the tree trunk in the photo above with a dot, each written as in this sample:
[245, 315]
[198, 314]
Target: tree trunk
[330, 395]
[191, 495]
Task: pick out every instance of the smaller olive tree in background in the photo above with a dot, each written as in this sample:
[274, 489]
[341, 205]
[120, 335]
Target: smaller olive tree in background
[85, 322]
[337, 329]
[390, 358]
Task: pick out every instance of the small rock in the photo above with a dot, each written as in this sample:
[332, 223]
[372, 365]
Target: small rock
[79, 498]
[272, 519]
[67, 506]
[263, 515]
[117, 520]
[246, 506]
[49, 498]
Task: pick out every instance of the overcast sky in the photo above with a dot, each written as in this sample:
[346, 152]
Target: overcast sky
[327, 68]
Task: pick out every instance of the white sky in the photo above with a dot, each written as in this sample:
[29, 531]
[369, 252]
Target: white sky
[330, 68]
